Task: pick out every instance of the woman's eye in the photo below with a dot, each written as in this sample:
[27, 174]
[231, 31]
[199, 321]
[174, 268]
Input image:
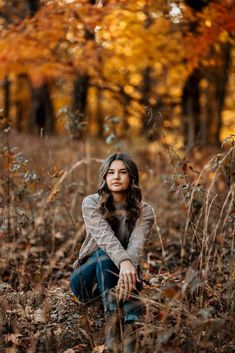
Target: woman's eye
[121, 172]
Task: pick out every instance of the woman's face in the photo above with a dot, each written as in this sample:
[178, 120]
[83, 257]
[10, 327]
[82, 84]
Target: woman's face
[117, 177]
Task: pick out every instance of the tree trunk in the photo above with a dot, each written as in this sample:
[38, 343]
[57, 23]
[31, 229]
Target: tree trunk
[146, 94]
[80, 93]
[151, 115]
[214, 96]
[193, 124]
[34, 6]
[221, 86]
[99, 113]
[79, 105]
[191, 109]
[6, 88]
[197, 5]
[21, 102]
[41, 115]
[202, 108]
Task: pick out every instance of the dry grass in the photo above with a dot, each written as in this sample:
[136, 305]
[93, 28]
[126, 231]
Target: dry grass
[189, 269]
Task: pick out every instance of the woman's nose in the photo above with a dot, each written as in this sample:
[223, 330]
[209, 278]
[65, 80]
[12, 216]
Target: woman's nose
[116, 176]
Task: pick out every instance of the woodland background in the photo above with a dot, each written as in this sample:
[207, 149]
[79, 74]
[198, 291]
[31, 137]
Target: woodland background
[79, 80]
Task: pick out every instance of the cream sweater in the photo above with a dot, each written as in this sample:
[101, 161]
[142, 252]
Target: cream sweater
[99, 233]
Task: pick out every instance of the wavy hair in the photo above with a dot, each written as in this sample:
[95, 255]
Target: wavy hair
[134, 195]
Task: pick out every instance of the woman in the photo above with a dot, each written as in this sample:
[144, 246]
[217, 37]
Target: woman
[117, 225]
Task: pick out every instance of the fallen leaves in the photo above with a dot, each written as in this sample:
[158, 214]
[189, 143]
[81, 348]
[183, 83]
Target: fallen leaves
[172, 291]
[39, 316]
[98, 349]
[13, 338]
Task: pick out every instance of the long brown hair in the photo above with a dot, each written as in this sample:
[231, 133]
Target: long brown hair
[134, 195]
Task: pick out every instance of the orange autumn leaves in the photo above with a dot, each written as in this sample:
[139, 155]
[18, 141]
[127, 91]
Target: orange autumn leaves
[103, 41]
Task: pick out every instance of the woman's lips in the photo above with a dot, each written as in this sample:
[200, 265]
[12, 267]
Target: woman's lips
[116, 184]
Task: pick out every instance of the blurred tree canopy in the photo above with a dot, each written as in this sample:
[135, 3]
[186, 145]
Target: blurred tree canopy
[68, 63]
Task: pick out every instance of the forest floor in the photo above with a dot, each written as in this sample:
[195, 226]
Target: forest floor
[189, 266]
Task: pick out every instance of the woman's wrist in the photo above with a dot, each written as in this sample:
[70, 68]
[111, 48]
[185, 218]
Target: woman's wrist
[124, 262]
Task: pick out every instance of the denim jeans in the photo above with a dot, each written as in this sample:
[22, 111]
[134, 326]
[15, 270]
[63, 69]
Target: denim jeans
[100, 270]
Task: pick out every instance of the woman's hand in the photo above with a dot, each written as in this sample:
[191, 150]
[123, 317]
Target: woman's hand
[127, 279]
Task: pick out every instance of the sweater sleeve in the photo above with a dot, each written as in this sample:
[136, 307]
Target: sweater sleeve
[101, 232]
[140, 234]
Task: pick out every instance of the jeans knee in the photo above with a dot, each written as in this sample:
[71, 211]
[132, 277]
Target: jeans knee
[76, 283]
[73, 282]
[102, 256]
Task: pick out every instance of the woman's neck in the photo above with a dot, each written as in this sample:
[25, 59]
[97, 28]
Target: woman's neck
[119, 197]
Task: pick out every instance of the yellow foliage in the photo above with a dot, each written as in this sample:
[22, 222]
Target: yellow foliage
[224, 36]
[113, 44]
[135, 122]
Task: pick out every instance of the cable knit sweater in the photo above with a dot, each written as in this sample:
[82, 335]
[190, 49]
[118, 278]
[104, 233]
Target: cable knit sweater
[99, 233]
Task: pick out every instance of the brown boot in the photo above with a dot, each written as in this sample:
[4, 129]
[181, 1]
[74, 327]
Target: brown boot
[112, 333]
[130, 339]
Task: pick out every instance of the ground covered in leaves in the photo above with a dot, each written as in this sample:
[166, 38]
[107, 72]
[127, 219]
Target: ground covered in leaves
[189, 267]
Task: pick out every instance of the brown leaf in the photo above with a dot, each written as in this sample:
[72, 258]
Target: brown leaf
[39, 316]
[98, 349]
[14, 338]
[163, 314]
[172, 291]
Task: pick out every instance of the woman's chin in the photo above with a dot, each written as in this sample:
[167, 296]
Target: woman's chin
[117, 189]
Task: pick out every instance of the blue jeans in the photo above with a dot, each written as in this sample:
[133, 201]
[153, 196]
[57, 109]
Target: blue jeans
[100, 270]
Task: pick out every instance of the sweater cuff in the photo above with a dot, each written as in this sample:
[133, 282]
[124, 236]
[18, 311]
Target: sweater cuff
[118, 258]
